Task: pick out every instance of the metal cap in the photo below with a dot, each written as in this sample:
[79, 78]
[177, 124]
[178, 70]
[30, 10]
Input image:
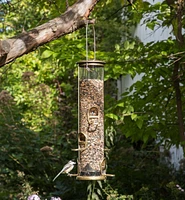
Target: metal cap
[91, 63]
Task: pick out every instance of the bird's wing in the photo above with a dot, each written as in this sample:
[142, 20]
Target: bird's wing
[65, 167]
[63, 170]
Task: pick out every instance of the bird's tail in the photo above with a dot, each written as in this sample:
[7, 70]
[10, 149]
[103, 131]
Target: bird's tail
[57, 175]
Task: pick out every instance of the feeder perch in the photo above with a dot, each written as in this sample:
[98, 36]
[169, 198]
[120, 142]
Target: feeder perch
[91, 161]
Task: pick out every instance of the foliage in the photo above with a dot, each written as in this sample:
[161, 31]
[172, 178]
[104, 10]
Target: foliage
[38, 104]
[140, 172]
[150, 104]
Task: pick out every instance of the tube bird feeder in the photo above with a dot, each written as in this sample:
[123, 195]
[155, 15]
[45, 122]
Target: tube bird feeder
[91, 161]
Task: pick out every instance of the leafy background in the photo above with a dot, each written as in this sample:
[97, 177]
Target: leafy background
[38, 104]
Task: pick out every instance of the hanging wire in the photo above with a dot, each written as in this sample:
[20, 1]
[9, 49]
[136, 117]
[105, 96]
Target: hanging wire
[87, 46]
[86, 40]
[94, 44]
[94, 33]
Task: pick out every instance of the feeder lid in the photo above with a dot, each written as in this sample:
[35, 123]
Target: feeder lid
[84, 63]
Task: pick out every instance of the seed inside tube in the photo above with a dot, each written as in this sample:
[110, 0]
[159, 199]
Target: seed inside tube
[91, 109]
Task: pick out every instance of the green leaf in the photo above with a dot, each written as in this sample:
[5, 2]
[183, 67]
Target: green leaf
[112, 116]
[151, 25]
[121, 104]
[126, 45]
[117, 47]
[139, 122]
[145, 138]
[133, 116]
[47, 53]
[129, 109]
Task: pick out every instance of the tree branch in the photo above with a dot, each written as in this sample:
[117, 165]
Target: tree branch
[74, 18]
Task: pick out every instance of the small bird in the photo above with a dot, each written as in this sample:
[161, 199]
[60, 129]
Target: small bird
[66, 169]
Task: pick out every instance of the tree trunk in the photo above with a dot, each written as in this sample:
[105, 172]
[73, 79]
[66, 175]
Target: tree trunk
[74, 18]
[178, 95]
[176, 76]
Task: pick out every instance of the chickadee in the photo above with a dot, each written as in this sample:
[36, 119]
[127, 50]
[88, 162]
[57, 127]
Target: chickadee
[66, 169]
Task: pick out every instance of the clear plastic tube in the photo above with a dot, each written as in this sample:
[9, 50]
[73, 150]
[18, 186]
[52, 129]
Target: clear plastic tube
[91, 160]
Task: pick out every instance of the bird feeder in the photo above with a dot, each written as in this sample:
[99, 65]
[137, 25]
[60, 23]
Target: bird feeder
[91, 161]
